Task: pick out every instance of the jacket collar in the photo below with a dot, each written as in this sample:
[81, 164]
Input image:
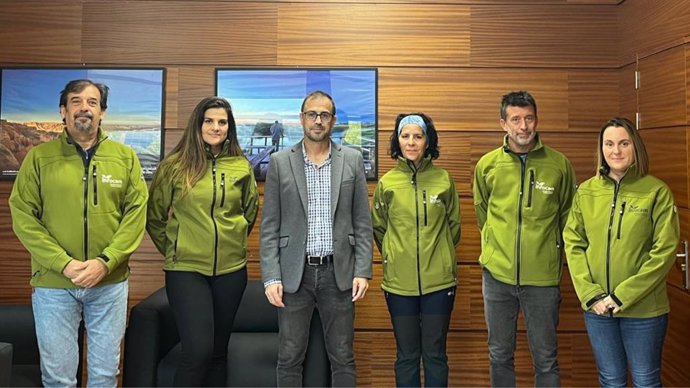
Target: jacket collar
[407, 165]
[630, 174]
[223, 150]
[67, 140]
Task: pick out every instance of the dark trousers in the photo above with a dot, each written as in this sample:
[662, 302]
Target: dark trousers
[337, 312]
[204, 308]
[420, 324]
[539, 305]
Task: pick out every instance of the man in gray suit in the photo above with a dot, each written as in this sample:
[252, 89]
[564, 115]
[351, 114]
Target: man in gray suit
[316, 242]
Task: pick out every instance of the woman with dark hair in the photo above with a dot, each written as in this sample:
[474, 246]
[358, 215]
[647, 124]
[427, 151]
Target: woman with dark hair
[620, 239]
[416, 219]
[202, 205]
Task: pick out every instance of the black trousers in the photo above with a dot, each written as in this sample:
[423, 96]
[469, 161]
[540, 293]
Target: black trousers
[420, 325]
[204, 308]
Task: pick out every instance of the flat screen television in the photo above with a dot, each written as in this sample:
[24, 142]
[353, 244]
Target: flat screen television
[30, 112]
[262, 97]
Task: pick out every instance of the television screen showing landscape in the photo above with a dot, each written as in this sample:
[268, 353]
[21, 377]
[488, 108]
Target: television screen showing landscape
[30, 112]
[266, 98]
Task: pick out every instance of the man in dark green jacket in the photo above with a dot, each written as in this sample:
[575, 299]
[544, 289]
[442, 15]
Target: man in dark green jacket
[79, 207]
[522, 195]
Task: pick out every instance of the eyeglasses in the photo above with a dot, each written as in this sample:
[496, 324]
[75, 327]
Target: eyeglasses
[311, 116]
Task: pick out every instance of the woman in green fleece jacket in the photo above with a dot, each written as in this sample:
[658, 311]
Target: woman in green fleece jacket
[416, 219]
[620, 240]
[202, 205]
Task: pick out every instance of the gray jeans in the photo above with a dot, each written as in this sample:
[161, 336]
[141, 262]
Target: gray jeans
[502, 304]
[336, 310]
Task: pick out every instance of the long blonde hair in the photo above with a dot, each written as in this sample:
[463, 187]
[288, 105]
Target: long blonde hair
[188, 161]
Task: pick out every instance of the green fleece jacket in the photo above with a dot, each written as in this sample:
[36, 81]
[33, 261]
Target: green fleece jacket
[416, 219]
[206, 230]
[66, 207]
[521, 209]
[620, 240]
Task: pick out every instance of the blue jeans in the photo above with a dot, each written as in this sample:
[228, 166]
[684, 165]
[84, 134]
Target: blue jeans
[420, 324]
[621, 342]
[58, 312]
[337, 312]
[539, 305]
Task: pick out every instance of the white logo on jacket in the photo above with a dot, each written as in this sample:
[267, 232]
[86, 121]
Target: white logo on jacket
[541, 186]
[111, 181]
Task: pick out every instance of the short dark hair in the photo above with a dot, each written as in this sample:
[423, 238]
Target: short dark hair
[431, 137]
[521, 98]
[318, 93]
[77, 85]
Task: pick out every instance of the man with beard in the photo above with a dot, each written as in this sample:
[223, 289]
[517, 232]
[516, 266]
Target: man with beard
[316, 243]
[522, 195]
[79, 206]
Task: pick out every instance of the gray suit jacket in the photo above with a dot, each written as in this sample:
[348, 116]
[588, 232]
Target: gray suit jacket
[284, 221]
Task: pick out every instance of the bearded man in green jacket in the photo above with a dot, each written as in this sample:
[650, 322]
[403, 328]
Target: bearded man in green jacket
[79, 207]
[522, 195]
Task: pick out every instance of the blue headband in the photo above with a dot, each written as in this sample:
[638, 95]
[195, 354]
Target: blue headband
[412, 119]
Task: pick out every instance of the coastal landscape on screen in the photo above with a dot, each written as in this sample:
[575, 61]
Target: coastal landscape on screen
[30, 113]
[260, 97]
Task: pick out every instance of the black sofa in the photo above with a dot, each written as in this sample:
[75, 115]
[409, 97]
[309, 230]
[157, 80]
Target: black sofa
[152, 348]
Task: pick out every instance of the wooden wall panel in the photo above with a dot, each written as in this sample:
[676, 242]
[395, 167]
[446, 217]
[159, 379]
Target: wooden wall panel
[470, 99]
[178, 32]
[675, 371]
[555, 36]
[687, 83]
[16, 262]
[195, 83]
[668, 159]
[458, 2]
[592, 99]
[662, 94]
[627, 92]
[373, 35]
[645, 27]
[172, 93]
[40, 32]
[468, 360]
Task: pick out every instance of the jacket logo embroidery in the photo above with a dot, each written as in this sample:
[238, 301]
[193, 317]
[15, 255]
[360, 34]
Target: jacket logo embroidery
[433, 199]
[111, 181]
[638, 210]
[541, 186]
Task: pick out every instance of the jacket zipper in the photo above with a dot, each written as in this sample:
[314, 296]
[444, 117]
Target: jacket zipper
[85, 182]
[425, 211]
[531, 188]
[95, 187]
[215, 226]
[177, 238]
[518, 249]
[608, 240]
[222, 188]
[416, 206]
[620, 221]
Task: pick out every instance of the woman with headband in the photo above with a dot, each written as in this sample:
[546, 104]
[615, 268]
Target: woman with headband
[416, 218]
